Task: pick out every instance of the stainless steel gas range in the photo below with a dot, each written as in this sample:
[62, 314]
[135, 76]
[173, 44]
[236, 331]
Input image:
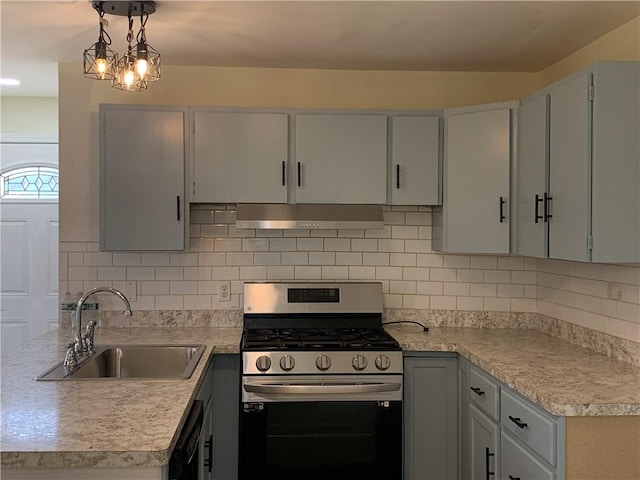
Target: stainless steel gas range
[321, 385]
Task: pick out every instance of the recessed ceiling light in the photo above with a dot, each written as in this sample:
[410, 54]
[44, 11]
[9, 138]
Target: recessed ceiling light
[11, 82]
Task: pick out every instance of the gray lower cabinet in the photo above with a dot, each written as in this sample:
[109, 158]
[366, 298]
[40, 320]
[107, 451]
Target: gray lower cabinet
[142, 165]
[485, 445]
[430, 417]
[204, 454]
[225, 413]
[503, 435]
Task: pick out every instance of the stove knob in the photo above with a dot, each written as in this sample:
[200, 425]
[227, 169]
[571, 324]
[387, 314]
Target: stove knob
[263, 363]
[323, 362]
[382, 362]
[359, 362]
[287, 363]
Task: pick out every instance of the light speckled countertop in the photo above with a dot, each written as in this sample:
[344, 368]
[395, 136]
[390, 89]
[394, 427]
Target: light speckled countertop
[110, 423]
[130, 423]
[561, 377]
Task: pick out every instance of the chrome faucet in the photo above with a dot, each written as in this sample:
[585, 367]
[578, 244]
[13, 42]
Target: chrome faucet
[82, 343]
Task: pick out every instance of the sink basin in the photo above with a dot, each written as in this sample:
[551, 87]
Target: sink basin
[132, 362]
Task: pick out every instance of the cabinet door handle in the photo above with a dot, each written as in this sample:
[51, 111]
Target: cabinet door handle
[398, 176]
[178, 207]
[547, 199]
[299, 175]
[487, 471]
[518, 422]
[208, 461]
[538, 201]
[502, 217]
[283, 171]
[477, 391]
[511, 477]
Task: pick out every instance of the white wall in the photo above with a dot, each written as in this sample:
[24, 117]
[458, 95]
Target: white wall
[29, 115]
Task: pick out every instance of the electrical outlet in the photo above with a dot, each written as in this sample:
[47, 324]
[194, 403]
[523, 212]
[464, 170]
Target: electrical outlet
[130, 291]
[614, 291]
[224, 291]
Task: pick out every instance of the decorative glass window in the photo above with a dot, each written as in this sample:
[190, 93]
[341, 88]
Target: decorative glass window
[30, 183]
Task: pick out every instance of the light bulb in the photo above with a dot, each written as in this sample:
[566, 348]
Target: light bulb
[129, 77]
[141, 67]
[101, 66]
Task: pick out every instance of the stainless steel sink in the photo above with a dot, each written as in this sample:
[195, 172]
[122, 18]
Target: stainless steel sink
[132, 362]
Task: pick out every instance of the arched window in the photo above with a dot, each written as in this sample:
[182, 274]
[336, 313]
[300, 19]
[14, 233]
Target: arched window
[30, 183]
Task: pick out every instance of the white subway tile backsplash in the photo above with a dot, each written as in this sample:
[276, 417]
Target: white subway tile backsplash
[322, 258]
[112, 273]
[364, 245]
[362, 273]
[280, 273]
[399, 256]
[83, 273]
[169, 273]
[348, 258]
[402, 259]
[335, 273]
[282, 244]
[239, 259]
[295, 258]
[253, 274]
[98, 259]
[197, 273]
[156, 259]
[337, 244]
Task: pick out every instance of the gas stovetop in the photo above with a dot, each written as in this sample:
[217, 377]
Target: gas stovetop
[318, 339]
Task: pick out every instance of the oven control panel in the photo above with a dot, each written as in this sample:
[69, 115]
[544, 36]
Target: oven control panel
[326, 362]
[313, 295]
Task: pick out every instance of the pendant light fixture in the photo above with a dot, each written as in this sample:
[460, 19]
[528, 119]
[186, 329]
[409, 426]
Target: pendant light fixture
[140, 63]
[99, 60]
[127, 75]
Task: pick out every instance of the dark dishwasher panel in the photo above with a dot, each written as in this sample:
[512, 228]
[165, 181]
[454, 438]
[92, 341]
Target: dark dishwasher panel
[184, 461]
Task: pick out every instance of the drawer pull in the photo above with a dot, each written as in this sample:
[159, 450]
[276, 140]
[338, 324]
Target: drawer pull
[511, 477]
[518, 422]
[477, 391]
[487, 471]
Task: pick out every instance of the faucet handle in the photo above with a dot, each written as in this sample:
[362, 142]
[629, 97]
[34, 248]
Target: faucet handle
[88, 336]
[71, 357]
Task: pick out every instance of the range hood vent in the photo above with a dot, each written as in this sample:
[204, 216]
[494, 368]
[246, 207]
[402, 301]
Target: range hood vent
[285, 216]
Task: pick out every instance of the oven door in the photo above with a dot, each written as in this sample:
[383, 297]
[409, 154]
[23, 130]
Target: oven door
[303, 428]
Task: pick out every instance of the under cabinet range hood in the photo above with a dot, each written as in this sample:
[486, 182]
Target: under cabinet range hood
[288, 216]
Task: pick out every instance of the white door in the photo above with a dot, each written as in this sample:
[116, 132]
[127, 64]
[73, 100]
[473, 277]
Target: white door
[28, 243]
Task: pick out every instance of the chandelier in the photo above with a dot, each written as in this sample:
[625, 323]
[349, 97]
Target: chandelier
[139, 65]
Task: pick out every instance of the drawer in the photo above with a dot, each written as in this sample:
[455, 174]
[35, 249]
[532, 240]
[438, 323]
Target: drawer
[530, 424]
[517, 463]
[485, 393]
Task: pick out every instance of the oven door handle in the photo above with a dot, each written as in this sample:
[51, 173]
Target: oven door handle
[321, 388]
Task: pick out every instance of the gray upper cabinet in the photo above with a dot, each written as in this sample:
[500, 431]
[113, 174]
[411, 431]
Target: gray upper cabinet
[582, 160]
[474, 217]
[341, 158]
[531, 178]
[142, 163]
[239, 157]
[415, 160]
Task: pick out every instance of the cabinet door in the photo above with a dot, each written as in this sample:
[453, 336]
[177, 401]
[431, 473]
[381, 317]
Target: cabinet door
[531, 178]
[206, 446]
[517, 462]
[570, 170]
[476, 182]
[430, 410]
[464, 421]
[415, 161]
[341, 158]
[485, 446]
[240, 157]
[226, 415]
[142, 179]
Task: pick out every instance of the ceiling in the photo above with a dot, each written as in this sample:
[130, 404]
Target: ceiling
[390, 35]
